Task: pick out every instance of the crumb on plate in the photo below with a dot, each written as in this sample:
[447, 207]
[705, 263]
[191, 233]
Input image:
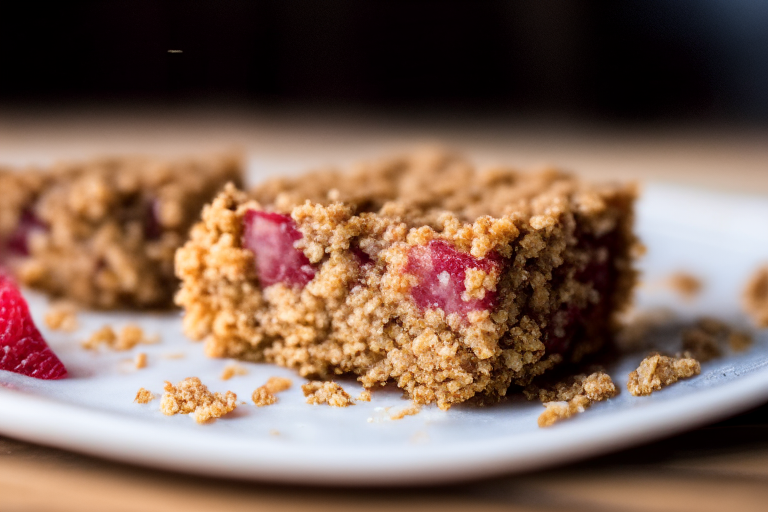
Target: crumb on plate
[128, 337]
[739, 341]
[144, 396]
[62, 316]
[266, 394]
[701, 344]
[685, 284]
[364, 396]
[190, 396]
[571, 396]
[233, 370]
[140, 360]
[318, 392]
[411, 410]
[657, 371]
[756, 297]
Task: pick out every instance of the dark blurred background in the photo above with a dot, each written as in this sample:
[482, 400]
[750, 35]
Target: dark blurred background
[632, 60]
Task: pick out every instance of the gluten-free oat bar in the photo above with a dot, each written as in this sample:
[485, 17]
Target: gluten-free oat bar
[419, 270]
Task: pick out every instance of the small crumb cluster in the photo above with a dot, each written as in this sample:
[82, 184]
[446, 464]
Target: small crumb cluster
[706, 339]
[191, 396]
[140, 360]
[687, 285]
[62, 316]
[144, 396]
[572, 396]
[128, 337]
[267, 394]
[411, 410]
[364, 396]
[657, 371]
[233, 370]
[756, 297]
[318, 392]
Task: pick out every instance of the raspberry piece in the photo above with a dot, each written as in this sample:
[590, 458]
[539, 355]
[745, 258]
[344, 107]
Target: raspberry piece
[271, 238]
[441, 270]
[22, 348]
[16, 243]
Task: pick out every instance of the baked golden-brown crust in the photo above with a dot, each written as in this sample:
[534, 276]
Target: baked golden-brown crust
[103, 233]
[548, 229]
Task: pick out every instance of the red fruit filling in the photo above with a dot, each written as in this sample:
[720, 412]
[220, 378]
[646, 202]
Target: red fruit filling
[22, 348]
[271, 238]
[574, 319]
[17, 243]
[441, 270]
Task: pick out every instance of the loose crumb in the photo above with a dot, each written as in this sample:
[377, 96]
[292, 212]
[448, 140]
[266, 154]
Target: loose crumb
[130, 336]
[634, 333]
[739, 341]
[411, 410]
[62, 317]
[701, 344]
[687, 285]
[756, 297]
[364, 396]
[657, 371]
[318, 392]
[274, 432]
[144, 396]
[233, 370]
[176, 355]
[558, 411]
[191, 396]
[266, 394]
[572, 396]
[141, 360]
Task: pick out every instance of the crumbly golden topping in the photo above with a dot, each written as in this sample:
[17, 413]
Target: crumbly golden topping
[360, 319]
[330, 393]
[62, 316]
[657, 371]
[571, 396]
[266, 394]
[140, 361]
[232, 370]
[143, 396]
[756, 297]
[103, 232]
[191, 396]
[128, 337]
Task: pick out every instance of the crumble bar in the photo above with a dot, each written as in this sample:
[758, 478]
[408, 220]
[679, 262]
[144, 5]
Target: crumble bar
[103, 232]
[419, 270]
[657, 371]
[191, 396]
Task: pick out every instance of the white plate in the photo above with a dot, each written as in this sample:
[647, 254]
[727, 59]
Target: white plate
[720, 237]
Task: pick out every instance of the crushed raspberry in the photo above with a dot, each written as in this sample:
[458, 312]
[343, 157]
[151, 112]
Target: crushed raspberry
[17, 242]
[441, 270]
[362, 257]
[22, 348]
[271, 238]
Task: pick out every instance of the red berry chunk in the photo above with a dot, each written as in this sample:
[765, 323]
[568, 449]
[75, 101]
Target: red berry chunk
[16, 243]
[441, 270]
[22, 348]
[271, 238]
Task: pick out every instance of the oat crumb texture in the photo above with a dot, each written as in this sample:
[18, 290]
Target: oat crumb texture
[190, 396]
[657, 371]
[330, 393]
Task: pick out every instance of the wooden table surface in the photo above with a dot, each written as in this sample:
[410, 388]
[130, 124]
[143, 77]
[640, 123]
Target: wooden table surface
[720, 467]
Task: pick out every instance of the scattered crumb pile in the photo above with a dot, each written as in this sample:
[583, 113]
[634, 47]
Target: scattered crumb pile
[141, 360]
[267, 394]
[130, 336]
[657, 371]
[685, 284]
[191, 396]
[636, 325]
[233, 370]
[318, 392]
[62, 316]
[705, 340]
[144, 396]
[411, 410]
[756, 297]
[571, 396]
[364, 396]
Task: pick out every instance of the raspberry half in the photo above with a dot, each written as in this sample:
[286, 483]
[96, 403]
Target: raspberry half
[22, 348]
[271, 238]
